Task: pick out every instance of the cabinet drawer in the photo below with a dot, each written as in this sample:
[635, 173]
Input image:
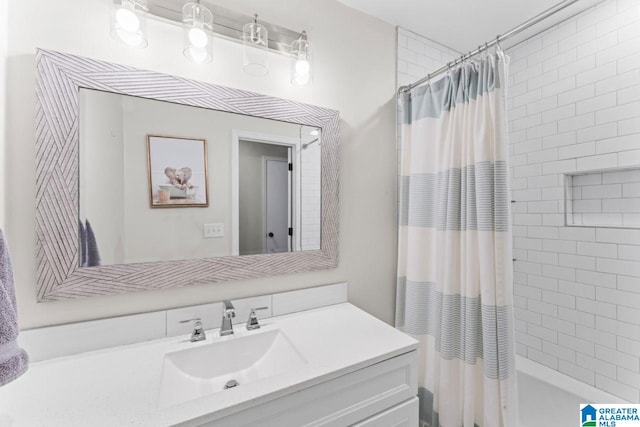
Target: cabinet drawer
[342, 401]
[402, 415]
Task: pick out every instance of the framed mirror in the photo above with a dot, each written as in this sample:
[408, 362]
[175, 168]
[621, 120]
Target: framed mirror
[248, 184]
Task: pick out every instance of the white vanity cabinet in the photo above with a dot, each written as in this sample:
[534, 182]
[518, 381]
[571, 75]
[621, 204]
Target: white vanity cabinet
[350, 369]
[380, 395]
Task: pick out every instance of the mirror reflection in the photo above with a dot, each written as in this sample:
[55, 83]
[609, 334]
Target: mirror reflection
[162, 181]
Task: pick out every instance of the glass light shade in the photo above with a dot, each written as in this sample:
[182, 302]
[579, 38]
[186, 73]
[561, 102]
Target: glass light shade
[128, 22]
[301, 64]
[255, 42]
[197, 23]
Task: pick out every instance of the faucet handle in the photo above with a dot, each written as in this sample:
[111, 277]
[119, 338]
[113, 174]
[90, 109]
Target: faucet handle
[252, 321]
[198, 331]
[228, 308]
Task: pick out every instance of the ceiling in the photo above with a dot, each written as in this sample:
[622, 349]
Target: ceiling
[459, 24]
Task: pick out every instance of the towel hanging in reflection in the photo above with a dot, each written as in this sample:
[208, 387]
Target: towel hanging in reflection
[89, 254]
[13, 360]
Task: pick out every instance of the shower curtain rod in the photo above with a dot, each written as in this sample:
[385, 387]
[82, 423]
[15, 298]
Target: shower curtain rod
[512, 32]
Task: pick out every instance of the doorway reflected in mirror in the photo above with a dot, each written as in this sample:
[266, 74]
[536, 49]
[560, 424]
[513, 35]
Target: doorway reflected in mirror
[266, 197]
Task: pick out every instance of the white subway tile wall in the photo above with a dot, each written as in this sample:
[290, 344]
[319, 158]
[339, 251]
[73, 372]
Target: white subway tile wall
[574, 106]
[311, 213]
[419, 56]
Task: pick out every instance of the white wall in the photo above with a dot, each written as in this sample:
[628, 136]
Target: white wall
[575, 106]
[4, 9]
[356, 78]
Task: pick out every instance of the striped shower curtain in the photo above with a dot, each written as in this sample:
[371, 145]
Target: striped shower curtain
[454, 290]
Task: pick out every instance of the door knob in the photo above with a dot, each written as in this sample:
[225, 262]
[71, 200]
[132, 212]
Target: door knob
[270, 234]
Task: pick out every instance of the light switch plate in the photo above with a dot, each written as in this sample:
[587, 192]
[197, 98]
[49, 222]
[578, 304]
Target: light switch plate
[213, 230]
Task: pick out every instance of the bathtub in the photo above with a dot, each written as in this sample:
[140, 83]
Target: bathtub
[551, 399]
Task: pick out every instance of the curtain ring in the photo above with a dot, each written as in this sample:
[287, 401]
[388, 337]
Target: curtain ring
[498, 47]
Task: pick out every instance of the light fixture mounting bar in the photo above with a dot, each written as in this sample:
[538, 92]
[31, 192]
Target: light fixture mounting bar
[226, 23]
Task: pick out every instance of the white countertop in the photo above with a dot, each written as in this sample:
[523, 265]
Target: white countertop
[119, 386]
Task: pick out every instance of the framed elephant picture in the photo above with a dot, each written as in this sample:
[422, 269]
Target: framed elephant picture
[177, 171]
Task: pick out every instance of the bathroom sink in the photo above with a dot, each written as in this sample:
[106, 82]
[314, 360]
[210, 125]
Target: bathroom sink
[235, 361]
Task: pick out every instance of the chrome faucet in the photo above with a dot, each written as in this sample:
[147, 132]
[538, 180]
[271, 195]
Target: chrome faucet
[252, 322]
[198, 331]
[228, 313]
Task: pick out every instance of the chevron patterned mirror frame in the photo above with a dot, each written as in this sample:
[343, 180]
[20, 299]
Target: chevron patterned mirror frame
[59, 77]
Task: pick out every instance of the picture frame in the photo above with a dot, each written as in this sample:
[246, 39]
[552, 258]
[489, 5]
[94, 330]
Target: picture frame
[177, 171]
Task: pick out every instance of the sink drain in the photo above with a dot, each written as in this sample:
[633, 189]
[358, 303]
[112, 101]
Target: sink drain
[231, 384]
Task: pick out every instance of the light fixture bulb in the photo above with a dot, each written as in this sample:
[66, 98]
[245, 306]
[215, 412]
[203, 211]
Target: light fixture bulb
[132, 39]
[198, 38]
[314, 132]
[302, 67]
[255, 48]
[198, 54]
[302, 79]
[127, 20]
[301, 61]
[197, 24]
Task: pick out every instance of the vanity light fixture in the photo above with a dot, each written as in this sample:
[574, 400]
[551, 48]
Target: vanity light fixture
[255, 47]
[197, 24]
[259, 40]
[128, 22]
[301, 61]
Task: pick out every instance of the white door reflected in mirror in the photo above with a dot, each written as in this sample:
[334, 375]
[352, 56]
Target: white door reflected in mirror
[266, 196]
[277, 205]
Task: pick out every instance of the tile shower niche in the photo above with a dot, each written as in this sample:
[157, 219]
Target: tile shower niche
[606, 198]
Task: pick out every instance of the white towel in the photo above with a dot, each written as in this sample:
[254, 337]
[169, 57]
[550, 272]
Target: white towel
[13, 360]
